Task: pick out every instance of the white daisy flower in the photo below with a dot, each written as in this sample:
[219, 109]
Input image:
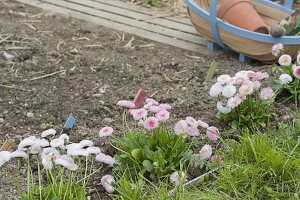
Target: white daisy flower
[48, 132]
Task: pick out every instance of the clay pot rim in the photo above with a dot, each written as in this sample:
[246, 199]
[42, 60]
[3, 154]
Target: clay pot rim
[222, 9]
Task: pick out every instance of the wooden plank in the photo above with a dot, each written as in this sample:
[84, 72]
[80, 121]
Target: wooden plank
[136, 15]
[121, 27]
[131, 22]
[150, 12]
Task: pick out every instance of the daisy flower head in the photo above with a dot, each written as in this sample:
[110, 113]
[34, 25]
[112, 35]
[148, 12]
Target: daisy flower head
[177, 177]
[106, 159]
[258, 76]
[155, 109]
[267, 93]
[215, 89]
[4, 157]
[126, 104]
[192, 131]
[139, 113]
[35, 149]
[152, 101]
[79, 152]
[242, 75]
[162, 115]
[192, 121]
[180, 127]
[222, 108]
[64, 137]
[165, 106]
[107, 182]
[93, 150]
[256, 85]
[297, 72]
[42, 142]
[277, 49]
[106, 131]
[229, 91]
[151, 123]
[86, 143]
[285, 79]
[19, 154]
[223, 79]
[202, 124]
[285, 60]
[205, 152]
[246, 89]
[27, 142]
[57, 142]
[212, 133]
[48, 132]
[233, 102]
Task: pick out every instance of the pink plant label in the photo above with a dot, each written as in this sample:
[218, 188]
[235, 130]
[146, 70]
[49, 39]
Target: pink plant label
[139, 98]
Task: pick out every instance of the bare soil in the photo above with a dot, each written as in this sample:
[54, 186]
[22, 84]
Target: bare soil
[95, 72]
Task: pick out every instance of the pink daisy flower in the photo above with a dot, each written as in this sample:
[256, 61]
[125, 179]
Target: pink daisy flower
[297, 71]
[162, 115]
[267, 93]
[155, 109]
[285, 60]
[57, 142]
[192, 131]
[180, 127]
[202, 124]
[105, 159]
[107, 182]
[139, 113]
[205, 152]
[277, 49]
[212, 133]
[106, 131]
[151, 123]
[126, 104]
[149, 100]
[192, 121]
[165, 106]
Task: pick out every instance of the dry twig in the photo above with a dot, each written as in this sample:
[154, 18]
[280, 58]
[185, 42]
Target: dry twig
[14, 87]
[47, 75]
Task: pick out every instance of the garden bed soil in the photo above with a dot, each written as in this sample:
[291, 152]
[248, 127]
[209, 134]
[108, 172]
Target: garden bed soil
[95, 72]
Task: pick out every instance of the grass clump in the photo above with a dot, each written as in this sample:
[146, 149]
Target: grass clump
[153, 155]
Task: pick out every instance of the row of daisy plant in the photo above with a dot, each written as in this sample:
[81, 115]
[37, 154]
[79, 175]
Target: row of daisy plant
[63, 167]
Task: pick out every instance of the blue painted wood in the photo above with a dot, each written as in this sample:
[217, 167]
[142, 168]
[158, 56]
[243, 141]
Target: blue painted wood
[212, 46]
[245, 59]
[288, 3]
[213, 22]
[264, 38]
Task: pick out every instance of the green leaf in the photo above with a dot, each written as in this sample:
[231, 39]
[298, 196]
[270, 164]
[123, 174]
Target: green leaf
[148, 165]
[137, 154]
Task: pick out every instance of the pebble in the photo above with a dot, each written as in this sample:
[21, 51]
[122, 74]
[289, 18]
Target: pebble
[8, 56]
[29, 115]
[74, 51]
[107, 120]
[1, 120]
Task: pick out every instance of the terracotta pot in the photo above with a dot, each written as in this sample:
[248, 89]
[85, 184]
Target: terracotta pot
[242, 13]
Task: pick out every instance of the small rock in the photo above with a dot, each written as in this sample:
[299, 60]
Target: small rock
[107, 120]
[1, 120]
[29, 115]
[74, 51]
[8, 56]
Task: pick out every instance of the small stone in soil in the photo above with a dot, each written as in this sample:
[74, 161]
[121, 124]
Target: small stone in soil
[29, 115]
[107, 120]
